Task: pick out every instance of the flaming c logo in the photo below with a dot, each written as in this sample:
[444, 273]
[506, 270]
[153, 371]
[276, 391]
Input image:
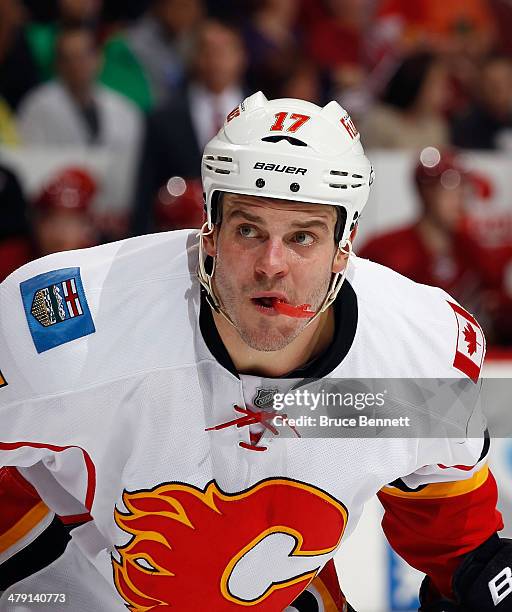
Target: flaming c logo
[194, 549]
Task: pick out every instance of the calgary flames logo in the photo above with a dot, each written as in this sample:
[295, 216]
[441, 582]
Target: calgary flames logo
[193, 548]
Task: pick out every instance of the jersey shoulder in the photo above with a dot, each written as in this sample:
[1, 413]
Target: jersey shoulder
[438, 336]
[61, 314]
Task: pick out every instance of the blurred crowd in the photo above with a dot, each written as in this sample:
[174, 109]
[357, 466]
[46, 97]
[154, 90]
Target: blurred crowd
[158, 77]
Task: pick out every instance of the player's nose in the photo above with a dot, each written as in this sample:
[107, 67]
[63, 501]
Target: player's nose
[272, 259]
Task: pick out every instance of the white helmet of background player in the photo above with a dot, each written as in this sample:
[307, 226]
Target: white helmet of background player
[290, 150]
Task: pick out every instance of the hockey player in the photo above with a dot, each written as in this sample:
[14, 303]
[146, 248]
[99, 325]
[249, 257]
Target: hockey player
[137, 389]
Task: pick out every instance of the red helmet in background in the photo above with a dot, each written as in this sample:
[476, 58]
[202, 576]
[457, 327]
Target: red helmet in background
[180, 204]
[444, 167]
[71, 189]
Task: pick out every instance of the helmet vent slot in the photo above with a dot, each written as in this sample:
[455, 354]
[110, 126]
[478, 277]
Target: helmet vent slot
[349, 178]
[212, 163]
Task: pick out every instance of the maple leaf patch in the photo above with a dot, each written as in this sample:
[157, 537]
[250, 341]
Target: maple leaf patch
[470, 338]
[470, 343]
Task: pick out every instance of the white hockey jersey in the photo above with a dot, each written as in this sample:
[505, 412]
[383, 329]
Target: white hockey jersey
[109, 404]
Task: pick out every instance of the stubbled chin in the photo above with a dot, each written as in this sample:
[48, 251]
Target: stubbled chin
[267, 336]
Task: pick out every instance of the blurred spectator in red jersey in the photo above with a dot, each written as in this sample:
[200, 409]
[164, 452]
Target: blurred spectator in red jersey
[410, 115]
[435, 250]
[487, 124]
[337, 40]
[180, 205]
[60, 218]
[61, 213]
[338, 43]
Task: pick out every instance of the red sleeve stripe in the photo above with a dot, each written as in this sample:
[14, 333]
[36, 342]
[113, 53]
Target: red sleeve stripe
[19, 530]
[440, 490]
[328, 587]
[91, 471]
[75, 518]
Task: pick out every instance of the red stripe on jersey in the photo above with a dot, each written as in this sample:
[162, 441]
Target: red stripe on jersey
[75, 518]
[464, 468]
[433, 535]
[91, 470]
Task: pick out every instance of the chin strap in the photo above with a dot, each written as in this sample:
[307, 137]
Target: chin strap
[206, 279]
[336, 282]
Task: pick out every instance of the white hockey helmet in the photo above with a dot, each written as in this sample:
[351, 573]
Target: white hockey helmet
[291, 150]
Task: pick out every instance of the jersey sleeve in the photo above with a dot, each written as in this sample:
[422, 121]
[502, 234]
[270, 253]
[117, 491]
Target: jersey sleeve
[436, 524]
[39, 432]
[47, 473]
[447, 507]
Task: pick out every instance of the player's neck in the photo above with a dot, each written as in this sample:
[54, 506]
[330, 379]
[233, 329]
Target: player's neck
[311, 343]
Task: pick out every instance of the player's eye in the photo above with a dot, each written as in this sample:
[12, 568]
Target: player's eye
[303, 238]
[247, 231]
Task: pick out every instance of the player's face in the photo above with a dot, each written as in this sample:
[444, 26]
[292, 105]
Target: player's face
[267, 248]
[62, 230]
[446, 206]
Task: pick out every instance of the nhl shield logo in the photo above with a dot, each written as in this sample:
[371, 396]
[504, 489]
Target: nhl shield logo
[264, 398]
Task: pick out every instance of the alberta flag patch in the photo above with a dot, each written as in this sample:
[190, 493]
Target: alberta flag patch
[56, 308]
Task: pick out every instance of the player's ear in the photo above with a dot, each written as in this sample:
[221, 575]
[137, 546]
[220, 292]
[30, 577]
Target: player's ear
[340, 259]
[210, 242]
